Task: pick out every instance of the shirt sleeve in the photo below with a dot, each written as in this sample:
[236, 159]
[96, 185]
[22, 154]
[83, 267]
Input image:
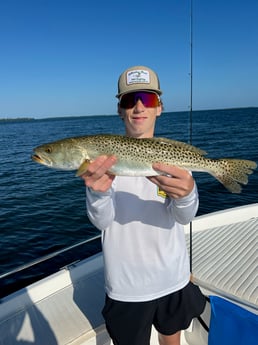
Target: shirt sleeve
[184, 209]
[100, 208]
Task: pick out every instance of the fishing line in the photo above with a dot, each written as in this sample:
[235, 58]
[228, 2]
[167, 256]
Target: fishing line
[191, 119]
[191, 75]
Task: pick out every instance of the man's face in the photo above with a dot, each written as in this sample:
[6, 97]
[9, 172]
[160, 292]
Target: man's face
[138, 113]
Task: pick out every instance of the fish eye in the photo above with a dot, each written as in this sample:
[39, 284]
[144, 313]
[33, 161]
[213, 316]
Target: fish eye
[48, 150]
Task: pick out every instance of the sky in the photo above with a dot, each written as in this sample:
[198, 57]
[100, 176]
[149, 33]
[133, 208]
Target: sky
[64, 57]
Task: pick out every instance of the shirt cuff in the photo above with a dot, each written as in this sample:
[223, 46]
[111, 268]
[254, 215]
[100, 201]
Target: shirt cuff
[188, 199]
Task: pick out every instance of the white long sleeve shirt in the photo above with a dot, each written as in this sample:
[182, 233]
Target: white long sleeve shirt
[143, 241]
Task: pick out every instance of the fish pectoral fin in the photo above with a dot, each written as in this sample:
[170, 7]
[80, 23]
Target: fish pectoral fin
[83, 168]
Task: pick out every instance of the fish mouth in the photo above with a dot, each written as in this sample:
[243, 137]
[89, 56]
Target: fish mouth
[38, 159]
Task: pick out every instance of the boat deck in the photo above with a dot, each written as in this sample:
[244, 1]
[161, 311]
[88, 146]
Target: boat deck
[65, 308]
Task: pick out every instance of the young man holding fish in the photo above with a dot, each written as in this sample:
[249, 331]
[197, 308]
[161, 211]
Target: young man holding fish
[146, 261]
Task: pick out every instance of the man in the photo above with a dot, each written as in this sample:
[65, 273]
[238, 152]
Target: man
[145, 257]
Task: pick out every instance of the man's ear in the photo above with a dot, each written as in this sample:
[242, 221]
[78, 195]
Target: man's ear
[159, 110]
[119, 111]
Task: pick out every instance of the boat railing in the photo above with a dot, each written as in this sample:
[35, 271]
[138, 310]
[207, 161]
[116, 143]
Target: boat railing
[47, 257]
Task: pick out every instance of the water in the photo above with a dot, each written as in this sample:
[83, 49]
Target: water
[43, 210]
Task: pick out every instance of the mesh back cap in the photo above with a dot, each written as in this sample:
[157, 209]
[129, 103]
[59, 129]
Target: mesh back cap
[138, 78]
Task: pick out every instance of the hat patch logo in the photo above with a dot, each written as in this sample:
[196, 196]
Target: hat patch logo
[138, 77]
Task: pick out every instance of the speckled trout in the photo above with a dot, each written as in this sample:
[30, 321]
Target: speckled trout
[135, 157]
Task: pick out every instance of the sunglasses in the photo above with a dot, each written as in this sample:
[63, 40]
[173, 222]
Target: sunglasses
[148, 99]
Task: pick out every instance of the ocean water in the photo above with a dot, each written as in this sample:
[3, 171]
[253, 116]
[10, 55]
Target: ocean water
[43, 210]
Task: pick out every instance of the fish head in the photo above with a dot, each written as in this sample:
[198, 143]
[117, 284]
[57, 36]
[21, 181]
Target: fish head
[62, 154]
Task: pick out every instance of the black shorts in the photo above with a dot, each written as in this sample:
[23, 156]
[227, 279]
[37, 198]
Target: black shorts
[129, 323]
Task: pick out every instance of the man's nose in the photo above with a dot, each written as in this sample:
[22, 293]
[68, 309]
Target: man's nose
[139, 105]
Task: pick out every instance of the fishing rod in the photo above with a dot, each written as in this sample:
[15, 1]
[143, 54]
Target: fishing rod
[191, 121]
[191, 75]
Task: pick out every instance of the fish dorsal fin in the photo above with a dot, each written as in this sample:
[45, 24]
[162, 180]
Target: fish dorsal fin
[180, 144]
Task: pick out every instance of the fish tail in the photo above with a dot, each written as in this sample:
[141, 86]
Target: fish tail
[232, 173]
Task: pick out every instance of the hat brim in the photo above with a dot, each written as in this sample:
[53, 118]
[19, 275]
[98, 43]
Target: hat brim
[159, 92]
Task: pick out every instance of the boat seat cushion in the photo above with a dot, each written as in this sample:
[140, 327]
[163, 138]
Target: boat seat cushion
[231, 324]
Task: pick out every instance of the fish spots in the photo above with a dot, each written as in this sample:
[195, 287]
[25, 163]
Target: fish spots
[135, 157]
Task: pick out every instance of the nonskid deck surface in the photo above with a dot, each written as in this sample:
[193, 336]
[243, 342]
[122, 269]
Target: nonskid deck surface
[225, 257]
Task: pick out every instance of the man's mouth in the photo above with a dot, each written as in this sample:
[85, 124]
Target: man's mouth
[139, 118]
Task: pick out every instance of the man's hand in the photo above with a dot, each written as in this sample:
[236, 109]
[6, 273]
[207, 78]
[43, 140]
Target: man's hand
[177, 184]
[97, 176]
